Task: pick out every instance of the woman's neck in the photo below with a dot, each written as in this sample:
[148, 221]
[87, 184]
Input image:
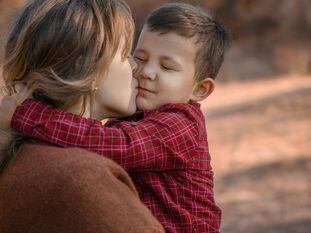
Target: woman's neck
[78, 109]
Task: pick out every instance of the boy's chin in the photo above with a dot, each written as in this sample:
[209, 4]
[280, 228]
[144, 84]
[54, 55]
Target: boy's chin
[147, 104]
[142, 104]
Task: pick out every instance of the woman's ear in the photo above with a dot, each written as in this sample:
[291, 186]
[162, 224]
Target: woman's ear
[203, 89]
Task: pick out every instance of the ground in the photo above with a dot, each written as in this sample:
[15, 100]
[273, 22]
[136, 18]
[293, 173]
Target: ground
[258, 134]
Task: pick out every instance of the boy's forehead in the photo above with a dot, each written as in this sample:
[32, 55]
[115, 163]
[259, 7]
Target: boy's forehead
[166, 42]
[161, 34]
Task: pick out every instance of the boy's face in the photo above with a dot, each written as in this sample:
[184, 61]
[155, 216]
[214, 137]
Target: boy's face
[166, 69]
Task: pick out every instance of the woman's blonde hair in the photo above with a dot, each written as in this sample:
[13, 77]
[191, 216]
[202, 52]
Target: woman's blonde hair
[57, 48]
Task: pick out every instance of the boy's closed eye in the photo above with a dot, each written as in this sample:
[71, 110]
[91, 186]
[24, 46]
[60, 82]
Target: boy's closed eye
[140, 59]
[140, 56]
[169, 65]
[166, 63]
[168, 68]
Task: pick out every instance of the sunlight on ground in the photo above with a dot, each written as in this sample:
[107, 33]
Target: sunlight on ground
[259, 134]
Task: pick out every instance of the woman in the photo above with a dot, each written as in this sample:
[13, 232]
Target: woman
[73, 55]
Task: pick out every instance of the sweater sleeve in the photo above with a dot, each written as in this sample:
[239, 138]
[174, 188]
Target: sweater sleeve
[164, 140]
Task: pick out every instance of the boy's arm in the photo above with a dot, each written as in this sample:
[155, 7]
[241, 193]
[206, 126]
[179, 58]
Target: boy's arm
[152, 144]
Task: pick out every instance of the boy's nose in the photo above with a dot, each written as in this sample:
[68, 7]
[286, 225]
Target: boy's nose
[148, 72]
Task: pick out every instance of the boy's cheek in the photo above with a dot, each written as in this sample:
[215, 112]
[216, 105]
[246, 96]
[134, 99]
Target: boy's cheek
[137, 71]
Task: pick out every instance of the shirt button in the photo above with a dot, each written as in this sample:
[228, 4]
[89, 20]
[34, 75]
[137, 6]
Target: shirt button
[133, 123]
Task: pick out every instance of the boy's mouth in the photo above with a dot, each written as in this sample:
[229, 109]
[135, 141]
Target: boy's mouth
[144, 89]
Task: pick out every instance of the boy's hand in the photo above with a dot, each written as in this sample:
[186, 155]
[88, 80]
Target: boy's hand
[9, 104]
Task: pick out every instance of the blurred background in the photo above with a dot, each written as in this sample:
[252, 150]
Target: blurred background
[259, 117]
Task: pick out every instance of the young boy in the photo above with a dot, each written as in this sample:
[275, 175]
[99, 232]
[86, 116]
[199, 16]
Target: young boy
[164, 147]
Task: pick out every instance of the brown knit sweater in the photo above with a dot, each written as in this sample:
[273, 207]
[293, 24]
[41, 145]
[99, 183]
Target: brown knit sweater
[48, 189]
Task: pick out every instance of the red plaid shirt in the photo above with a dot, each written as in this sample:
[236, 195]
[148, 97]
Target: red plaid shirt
[165, 151]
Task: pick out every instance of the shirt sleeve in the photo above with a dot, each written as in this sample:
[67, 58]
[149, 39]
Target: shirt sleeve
[164, 140]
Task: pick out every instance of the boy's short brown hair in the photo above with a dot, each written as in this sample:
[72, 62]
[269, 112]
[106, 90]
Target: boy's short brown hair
[212, 38]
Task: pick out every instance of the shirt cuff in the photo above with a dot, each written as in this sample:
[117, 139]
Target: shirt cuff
[25, 115]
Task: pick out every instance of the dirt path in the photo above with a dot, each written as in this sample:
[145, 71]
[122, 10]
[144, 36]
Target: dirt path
[259, 136]
[233, 94]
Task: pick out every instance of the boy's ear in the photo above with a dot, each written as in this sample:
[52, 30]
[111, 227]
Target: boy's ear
[203, 89]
